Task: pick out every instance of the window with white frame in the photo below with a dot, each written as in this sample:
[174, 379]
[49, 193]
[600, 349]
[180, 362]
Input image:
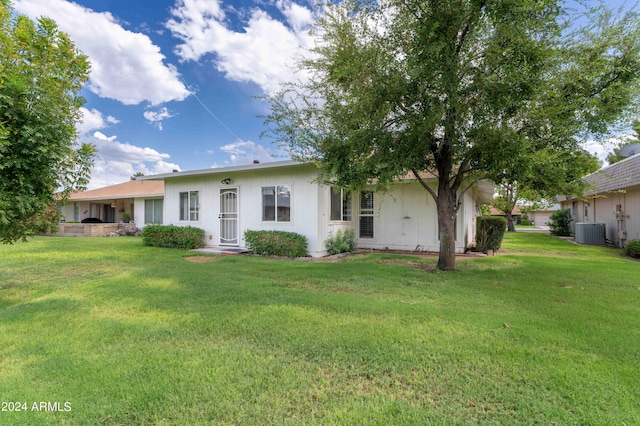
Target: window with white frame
[276, 203]
[366, 214]
[189, 206]
[340, 205]
[153, 211]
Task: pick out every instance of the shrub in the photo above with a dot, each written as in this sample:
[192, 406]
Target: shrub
[490, 232]
[276, 243]
[341, 242]
[180, 237]
[525, 222]
[560, 223]
[632, 249]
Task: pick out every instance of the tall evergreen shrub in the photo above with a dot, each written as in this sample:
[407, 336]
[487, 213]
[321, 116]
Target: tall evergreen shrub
[490, 232]
[560, 223]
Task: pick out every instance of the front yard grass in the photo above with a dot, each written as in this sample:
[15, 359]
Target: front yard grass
[545, 332]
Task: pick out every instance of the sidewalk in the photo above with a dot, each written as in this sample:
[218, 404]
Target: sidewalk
[542, 229]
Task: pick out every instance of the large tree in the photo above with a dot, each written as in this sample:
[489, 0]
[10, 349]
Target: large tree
[454, 88]
[41, 74]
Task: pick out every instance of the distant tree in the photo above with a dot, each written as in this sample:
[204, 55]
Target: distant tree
[506, 199]
[542, 175]
[136, 174]
[614, 156]
[454, 88]
[41, 74]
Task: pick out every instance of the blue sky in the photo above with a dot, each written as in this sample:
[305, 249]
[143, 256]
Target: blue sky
[174, 82]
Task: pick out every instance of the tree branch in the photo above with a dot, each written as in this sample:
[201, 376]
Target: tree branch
[468, 187]
[467, 28]
[424, 185]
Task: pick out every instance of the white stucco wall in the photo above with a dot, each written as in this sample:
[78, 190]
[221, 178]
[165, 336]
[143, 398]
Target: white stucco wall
[404, 219]
[602, 209]
[305, 215]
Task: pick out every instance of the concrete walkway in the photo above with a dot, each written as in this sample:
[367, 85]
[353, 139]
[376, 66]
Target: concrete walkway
[542, 229]
[220, 250]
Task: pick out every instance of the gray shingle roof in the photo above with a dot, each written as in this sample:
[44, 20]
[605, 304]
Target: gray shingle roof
[621, 175]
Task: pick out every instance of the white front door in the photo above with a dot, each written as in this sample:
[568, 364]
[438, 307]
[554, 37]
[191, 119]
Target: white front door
[229, 217]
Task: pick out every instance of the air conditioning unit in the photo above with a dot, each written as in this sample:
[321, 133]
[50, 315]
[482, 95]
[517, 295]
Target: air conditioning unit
[591, 233]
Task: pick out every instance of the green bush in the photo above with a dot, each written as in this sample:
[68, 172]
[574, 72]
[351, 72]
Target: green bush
[490, 232]
[560, 223]
[632, 249]
[525, 222]
[341, 242]
[276, 243]
[180, 237]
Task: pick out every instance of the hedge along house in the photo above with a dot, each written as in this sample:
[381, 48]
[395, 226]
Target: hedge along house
[285, 196]
[612, 198]
[142, 200]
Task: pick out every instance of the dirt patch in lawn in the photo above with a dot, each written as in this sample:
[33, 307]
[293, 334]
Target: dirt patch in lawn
[202, 259]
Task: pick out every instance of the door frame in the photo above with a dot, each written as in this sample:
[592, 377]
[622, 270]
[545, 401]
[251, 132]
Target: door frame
[235, 190]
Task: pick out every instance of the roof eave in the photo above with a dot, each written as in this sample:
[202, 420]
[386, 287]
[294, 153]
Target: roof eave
[222, 170]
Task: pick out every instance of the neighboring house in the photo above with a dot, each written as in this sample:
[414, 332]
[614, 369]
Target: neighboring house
[537, 217]
[516, 213]
[143, 200]
[286, 196]
[612, 198]
[541, 217]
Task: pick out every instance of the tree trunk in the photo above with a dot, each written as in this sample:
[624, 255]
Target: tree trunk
[510, 226]
[446, 225]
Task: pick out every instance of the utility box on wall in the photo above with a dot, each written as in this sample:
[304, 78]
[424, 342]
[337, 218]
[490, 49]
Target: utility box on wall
[591, 233]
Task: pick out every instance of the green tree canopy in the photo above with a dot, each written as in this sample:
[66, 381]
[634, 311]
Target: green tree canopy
[456, 88]
[542, 175]
[41, 74]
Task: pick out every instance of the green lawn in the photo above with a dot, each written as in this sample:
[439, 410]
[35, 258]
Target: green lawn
[546, 332]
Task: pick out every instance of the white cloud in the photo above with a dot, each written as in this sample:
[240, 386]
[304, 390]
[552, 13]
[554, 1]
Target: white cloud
[116, 162]
[264, 53]
[102, 137]
[112, 120]
[602, 149]
[156, 118]
[245, 152]
[91, 120]
[125, 66]
[300, 18]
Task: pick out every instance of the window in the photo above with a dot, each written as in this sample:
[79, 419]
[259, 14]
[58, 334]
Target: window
[366, 214]
[276, 203]
[153, 211]
[76, 212]
[189, 206]
[340, 204]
